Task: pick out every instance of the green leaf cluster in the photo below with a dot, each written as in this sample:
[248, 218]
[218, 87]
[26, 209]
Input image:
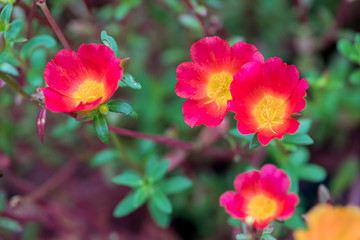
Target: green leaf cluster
[352, 52]
[152, 188]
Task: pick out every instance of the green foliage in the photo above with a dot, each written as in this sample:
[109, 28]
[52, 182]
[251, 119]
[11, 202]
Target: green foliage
[6, 13]
[344, 176]
[122, 107]
[101, 127]
[153, 186]
[128, 178]
[10, 224]
[36, 42]
[124, 8]
[110, 42]
[104, 156]
[129, 81]
[254, 142]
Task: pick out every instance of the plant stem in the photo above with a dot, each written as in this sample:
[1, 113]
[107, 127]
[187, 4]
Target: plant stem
[14, 85]
[122, 150]
[199, 18]
[172, 142]
[16, 56]
[56, 180]
[55, 27]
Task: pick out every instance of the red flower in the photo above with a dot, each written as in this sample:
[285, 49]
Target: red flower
[260, 197]
[264, 98]
[206, 80]
[83, 80]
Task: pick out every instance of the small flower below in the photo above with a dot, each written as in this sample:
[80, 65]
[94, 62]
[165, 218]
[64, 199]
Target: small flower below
[260, 197]
[331, 223]
[264, 97]
[81, 81]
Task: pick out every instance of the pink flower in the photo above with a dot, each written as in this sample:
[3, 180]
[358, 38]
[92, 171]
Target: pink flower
[206, 80]
[260, 196]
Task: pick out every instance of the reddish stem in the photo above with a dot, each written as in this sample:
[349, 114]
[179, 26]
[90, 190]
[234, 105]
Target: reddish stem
[199, 18]
[55, 27]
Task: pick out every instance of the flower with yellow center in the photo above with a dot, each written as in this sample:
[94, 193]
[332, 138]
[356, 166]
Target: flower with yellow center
[326, 222]
[264, 97]
[260, 197]
[205, 81]
[81, 81]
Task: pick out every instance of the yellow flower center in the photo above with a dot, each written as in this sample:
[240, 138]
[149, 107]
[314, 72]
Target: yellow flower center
[89, 91]
[219, 88]
[261, 207]
[269, 112]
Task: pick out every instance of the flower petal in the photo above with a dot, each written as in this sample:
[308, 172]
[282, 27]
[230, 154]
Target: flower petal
[279, 79]
[290, 201]
[192, 81]
[246, 123]
[247, 84]
[197, 112]
[233, 203]
[296, 101]
[65, 72]
[58, 102]
[274, 181]
[248, 183]
[211, 52]
[242, 53]
[290, 126]
[102, 66]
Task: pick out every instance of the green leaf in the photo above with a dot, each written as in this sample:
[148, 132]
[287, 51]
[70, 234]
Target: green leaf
[105, 156]
[36, 42]
[6, 13]
[295, 222]
[234, 222]
[190, 21]
[291, 172]
[101, 128]
[128, 178]
[344, 176]
[175, 185]
[269, 229]
[16, 27]
[121, 11]
[158, 170]
[161, 201]
[305, 125]
[110, 42]
[126, 206]
[267, 237]
[355, 77]
[254, 142]
[2, 201]
[235, 132]
[8, 68]
[348, 50]
[140, 196]
[129, 80]
[312, 173]
[85, 116]
[299, 157]
[242, 236]
[299, 139]
[10, 224]
[161, 218]
[122, 107]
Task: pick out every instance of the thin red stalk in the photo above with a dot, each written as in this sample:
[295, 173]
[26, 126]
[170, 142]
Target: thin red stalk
[172, 142]
[55, 27]
[199, 18]
[56, 180]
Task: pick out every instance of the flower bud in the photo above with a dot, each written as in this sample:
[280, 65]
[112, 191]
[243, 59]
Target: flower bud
[125, 63]
[104, 109]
